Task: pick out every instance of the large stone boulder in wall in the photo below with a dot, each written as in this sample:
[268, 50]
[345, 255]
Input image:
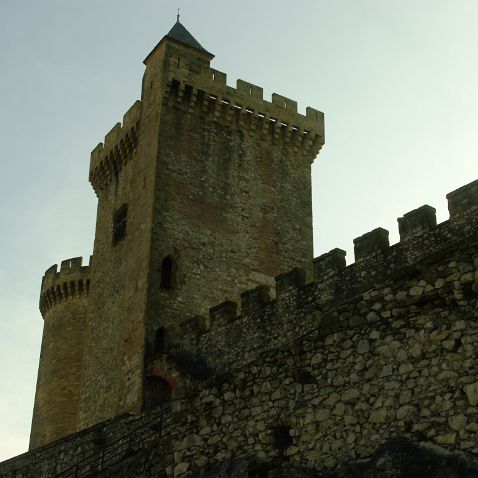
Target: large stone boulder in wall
[396, 458]
[401, 458]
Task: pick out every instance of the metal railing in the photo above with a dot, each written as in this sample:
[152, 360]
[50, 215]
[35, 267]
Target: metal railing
[193, 365]
[116, 451]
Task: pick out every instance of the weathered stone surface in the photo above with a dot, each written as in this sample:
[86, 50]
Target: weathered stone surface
[181, 468]
[379, 416]
[457, 422]
[471, 391]
[189, 441]
[350, 394]
[416, 291]
[363, 347]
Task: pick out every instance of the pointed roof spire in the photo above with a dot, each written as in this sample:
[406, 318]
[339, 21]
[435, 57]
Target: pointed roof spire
[180, 34]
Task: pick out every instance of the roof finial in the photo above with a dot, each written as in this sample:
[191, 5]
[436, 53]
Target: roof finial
[177, 18]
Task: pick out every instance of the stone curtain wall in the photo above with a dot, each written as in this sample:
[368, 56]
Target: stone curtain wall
[381, 348]
[60, 456]
[407, 368]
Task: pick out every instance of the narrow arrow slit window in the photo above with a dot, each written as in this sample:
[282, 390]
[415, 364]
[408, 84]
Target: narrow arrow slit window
[119, 224]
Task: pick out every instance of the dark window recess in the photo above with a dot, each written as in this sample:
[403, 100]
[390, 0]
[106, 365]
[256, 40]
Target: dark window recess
[282, 438]
[157, 392]
[260, 470]
[119, 223]
[160, 344]
[258, 474]
[167, 273]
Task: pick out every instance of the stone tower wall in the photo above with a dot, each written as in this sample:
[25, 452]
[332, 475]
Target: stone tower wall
[121, 174]
[233, 203]
[214, 177]
[63, 304]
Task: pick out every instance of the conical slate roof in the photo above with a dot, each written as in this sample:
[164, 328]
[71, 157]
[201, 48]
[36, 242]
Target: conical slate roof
[180, 34]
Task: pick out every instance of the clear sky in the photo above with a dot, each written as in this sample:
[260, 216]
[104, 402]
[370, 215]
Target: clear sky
[397, 81]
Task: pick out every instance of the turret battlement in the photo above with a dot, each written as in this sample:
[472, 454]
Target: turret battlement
[207, 91]
[119, 146]
[73, 280]
[376, 262]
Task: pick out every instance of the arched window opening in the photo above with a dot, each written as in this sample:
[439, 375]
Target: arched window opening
[160, 342]
[157, 392]
[167, 273]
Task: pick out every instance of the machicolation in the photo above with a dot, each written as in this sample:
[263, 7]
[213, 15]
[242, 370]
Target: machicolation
[73, 280]
[108, 158]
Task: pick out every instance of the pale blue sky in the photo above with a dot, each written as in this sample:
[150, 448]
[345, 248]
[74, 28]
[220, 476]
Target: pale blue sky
[397, 81]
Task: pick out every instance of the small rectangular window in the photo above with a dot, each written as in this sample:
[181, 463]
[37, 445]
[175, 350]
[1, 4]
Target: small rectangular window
[119, 223]
[167, 273]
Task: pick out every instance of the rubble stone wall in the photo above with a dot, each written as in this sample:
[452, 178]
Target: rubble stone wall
[407, 368]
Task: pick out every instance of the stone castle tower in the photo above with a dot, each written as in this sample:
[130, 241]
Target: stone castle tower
[203, 191]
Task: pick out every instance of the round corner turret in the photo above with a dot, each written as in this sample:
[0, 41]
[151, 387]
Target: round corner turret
[73, 280]
[63, 304]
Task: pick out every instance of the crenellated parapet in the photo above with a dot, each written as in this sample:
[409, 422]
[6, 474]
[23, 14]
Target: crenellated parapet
[119, 146]
[422, 240]
[262, 322]
[72, 280]
[206, 92]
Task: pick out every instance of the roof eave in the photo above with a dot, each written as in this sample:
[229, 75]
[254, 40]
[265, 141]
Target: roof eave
[200, 52]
